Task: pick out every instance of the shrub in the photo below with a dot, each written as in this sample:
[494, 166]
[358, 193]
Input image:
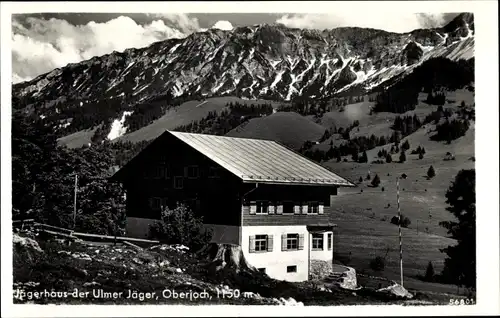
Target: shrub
[405, 221]
[450, 130]
[431, 173]
[406, 145]
[429, 272]
[376, 181]
[420, 156]
[388, 158]
[363, 158]
[377, 264]
[360, 179]
[383, 189]
[180, 226]
[402, 156]
[368, 177]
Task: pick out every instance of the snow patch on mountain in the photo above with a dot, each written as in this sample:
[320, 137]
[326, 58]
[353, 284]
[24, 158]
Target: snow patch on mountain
[117, 127]
[277, 79]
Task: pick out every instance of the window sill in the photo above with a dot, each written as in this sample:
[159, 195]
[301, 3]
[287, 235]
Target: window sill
[260, 252]
[317, 249]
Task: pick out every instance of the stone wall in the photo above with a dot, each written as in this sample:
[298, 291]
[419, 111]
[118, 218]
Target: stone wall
[325, 272]
[320, 269]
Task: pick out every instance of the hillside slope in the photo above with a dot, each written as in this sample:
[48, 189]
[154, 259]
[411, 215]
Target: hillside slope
[288, 128]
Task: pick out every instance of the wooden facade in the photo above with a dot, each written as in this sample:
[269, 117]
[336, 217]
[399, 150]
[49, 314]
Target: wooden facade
[170, 171]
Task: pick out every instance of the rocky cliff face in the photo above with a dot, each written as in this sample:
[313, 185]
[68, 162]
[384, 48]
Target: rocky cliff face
[261, 61]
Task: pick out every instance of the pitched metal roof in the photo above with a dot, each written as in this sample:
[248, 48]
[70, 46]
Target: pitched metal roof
[262, 161]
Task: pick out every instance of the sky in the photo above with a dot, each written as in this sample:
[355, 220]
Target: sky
[45, 41]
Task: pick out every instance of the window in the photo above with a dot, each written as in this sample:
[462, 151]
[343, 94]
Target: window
[155, 203]
[155, 172]
[330, 241]
[260, 243]
[288, 207]
[166, 173]
[262, 270]
[291, 269]
[178, 182]
[213, 172]
[317, 241]
[292, 242]
[193, 172]
[313, 208]
[262, 207]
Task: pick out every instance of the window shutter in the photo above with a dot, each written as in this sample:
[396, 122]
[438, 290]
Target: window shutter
[296, 209]
[185, 171]
[251, 243]
[269, 243]
[246, 209]
[283, 242]
[279, 209]
[253, 208]
[271, 209]
[320, 209]
[301, 242]
[304, 209]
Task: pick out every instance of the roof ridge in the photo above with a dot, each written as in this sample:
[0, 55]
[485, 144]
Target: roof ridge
[217, 136]
[270, 169]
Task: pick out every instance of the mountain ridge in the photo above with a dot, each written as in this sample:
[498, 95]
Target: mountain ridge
[270, 62]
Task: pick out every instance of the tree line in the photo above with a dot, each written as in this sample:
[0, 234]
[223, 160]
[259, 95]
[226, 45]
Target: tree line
[43, 177]
[433, 74]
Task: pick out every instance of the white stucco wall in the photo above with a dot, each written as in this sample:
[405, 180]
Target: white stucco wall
[276, 262]
[225, 233]
[138, 227]
[325, 254]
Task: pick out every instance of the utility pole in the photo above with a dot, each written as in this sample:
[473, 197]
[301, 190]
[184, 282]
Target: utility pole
[400, 238]
[74, 203]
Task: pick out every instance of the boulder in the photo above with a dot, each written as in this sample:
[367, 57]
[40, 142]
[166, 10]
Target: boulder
[396, 290]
